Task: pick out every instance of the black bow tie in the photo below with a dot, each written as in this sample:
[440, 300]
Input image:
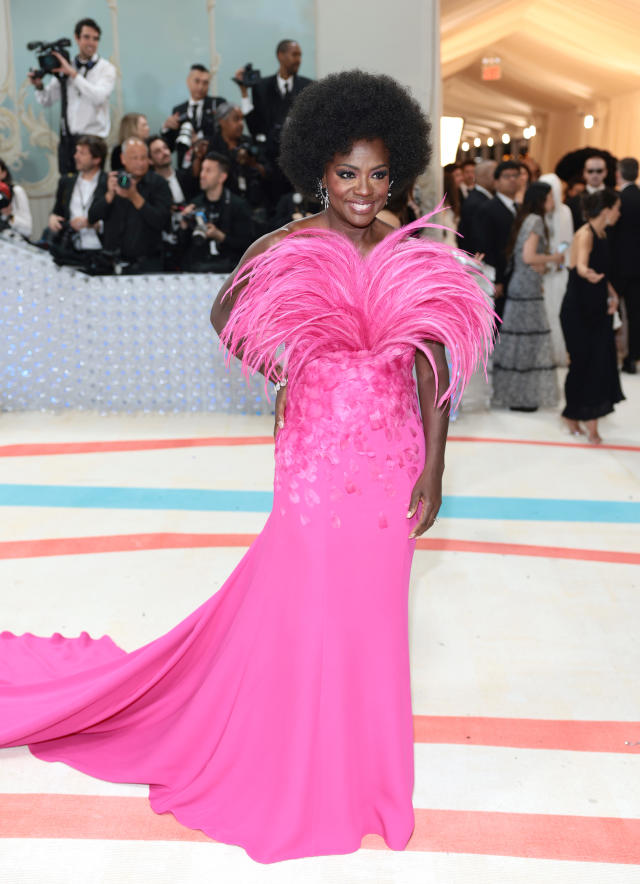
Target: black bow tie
[83, 64]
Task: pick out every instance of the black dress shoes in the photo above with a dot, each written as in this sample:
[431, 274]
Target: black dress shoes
[629, 365]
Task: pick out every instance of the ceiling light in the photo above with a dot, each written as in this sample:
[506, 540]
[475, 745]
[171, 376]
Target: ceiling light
[477, 142]
[589, 120]
[532, 131]
[489, 141]
[465, 146]
[506, 138]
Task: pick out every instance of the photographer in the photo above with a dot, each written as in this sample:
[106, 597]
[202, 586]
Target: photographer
[183, 186]
[73, 240]
[247, 171]
[194, 118]
[216, 228]
[135, 209]
[84, 87]
[266, 109]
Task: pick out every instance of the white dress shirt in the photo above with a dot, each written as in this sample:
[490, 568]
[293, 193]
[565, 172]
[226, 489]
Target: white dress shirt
[196, 112]
[81, 199]
[87, 98]
[176, 191]
[20, 212]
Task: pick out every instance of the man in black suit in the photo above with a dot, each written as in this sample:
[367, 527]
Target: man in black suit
[626, 248]
[493, 223]
[266, 109]
[135, 212]
[594, 174]
[194, 118]
[73, 240]
[480, 193]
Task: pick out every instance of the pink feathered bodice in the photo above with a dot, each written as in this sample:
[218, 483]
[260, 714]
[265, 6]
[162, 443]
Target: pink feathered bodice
[312, 295]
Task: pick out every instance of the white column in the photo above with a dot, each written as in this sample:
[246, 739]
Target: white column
[396, 37]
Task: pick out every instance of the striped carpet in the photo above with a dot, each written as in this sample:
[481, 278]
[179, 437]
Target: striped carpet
[524, 610]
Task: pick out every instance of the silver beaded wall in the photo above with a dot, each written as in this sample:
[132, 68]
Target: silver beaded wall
[112, 343]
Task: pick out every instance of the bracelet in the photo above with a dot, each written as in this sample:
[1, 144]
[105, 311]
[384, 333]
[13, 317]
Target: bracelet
[280, 384]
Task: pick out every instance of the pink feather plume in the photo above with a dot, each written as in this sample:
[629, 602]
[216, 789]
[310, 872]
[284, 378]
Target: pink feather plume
[313, 294]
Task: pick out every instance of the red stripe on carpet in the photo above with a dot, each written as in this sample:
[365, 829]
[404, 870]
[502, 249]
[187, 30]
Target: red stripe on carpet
[526, 549]
[545, 442]
[65, 546]
[529, 733]
[44, 448]
[33, 449]
[542, 836]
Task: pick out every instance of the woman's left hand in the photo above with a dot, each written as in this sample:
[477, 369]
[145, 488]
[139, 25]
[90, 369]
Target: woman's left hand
[281, 404]
[428, 491]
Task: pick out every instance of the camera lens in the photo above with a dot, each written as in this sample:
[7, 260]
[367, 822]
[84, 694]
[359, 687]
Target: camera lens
[124, 180]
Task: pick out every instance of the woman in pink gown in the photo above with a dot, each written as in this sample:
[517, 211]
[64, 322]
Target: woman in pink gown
[277, 716]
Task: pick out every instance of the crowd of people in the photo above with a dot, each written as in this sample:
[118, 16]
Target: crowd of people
[567, 287]
[190, 197]
[193, 196]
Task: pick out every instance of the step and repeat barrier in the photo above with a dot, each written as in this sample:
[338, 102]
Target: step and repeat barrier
[112, 343]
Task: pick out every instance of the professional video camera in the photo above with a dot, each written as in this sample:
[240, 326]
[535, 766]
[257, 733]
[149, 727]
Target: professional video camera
[250, 76]
[46, 58]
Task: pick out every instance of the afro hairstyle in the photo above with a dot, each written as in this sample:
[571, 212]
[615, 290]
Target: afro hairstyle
[332, 113]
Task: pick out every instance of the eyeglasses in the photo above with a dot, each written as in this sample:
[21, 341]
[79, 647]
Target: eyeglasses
[600, 171]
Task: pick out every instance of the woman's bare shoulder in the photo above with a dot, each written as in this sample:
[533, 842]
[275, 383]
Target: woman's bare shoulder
[277, 236]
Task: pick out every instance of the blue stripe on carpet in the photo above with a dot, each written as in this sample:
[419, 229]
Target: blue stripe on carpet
[196, 499]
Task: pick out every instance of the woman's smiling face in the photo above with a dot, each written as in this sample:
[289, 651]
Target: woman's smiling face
[358, 182]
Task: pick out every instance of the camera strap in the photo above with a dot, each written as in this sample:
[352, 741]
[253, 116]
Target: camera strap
[64, 102]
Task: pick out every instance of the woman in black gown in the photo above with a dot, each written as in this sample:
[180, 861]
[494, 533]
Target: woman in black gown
[592, 386]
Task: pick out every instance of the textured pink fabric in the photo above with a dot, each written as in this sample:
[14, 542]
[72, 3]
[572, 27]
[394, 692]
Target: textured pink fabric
[278, 715]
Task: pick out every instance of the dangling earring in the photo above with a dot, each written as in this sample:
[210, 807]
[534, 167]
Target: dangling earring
[323, 194]
[389, 192]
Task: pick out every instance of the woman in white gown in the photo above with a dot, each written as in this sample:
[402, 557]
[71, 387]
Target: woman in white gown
[554, 282]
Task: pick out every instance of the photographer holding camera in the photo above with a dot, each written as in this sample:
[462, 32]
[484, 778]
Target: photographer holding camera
[216, 228]
[73, 240]
[266, 109]
[247, 172]
[194, 118]
[83, 87]
[136, 208]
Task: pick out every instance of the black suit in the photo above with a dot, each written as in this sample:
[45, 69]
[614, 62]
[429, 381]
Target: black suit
[136, 234]
[270, 109]
[491, 231]
[473, 202]
[575, 204]
[206, 125]
[625, 237]
[65, 192]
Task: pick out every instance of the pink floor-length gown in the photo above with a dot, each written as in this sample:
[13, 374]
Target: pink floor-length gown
[277, 716]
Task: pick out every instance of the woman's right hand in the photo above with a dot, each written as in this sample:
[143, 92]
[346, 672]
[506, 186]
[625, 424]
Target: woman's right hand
[281, 404]
[557, 258]
[592, 276]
